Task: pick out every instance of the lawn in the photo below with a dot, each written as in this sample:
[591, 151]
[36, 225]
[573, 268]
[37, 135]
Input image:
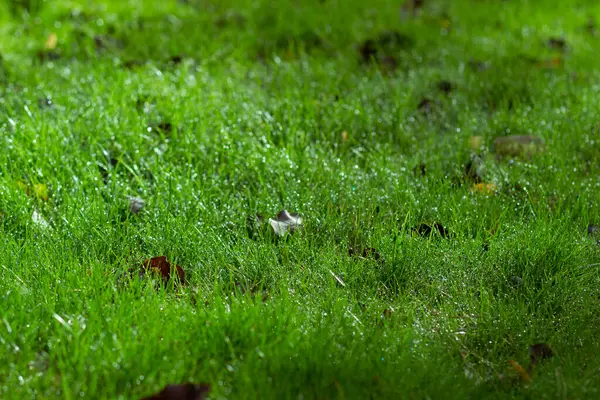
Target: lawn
[444, 161]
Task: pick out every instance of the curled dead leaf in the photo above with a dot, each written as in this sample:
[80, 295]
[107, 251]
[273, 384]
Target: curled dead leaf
[285, 222]
[160, 266]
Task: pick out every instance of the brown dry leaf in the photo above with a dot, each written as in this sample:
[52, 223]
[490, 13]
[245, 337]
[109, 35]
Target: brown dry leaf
[186, 391]
[160, 265]
[485, 188]
[51, 42]
[518, 145]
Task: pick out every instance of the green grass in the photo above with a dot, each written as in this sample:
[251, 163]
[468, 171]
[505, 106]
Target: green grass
[257, 109]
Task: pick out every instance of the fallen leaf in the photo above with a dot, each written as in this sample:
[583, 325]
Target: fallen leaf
[40, 191]
[285, 223]
[344, 136]
[186, 391]
[518, 145]
[523, 374]
[485, 188]
[161, 266]
[51, 42]
[539, 352]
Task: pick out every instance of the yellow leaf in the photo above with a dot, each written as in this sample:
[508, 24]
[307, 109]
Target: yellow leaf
[51, 42]
[344, 136]
[40, 191]
[520, 371]
[486, 188]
